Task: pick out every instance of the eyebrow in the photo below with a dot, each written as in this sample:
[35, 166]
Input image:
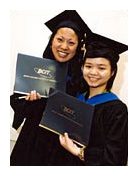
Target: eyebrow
[96, 64]
[70, 39]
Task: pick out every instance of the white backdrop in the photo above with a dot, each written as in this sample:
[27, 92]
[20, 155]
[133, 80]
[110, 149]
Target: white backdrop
[29, 35]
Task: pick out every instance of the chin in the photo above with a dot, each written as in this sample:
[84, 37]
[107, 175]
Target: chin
[60, 60]
[93, 85]
[63, 59]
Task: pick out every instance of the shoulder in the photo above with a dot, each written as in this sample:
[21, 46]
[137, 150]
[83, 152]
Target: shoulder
[116, 104]
[112, 108]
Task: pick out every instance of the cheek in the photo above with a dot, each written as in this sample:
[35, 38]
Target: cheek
[85, 73]
[73, 51]
[54, 49]
[53, 43]
[107, 75]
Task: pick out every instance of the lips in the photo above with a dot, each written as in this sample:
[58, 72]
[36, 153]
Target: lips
[93, 78]
[62, 54]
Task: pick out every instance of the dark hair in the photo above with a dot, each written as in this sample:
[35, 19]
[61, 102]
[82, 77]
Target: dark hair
[74, 66]
[99, 49]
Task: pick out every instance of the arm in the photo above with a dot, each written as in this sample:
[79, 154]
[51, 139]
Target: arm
[70, 146]
[108, 144]
[27, 107]
[109, 147]
[18, 106]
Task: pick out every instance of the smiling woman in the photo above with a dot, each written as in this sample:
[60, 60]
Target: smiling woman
[35, 145]
[108, 143]
[64, 44]
[97, 72]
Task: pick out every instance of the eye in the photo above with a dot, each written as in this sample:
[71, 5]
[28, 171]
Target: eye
[88, 66]
[59, 40]
[102, 68]
[71, 43]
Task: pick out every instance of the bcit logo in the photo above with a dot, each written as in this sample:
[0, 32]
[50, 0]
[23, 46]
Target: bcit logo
[69, 111]
[71, 115]
[44, 73]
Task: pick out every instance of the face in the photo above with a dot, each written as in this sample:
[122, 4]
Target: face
[64, 44]
[97, 72]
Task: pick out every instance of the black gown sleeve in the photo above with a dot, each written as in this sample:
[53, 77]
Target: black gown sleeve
[109, 137]
[25, 109]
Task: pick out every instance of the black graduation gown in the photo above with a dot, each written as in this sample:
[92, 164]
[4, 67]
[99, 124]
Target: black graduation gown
[108, 145]
[38, 146]
[35, 145]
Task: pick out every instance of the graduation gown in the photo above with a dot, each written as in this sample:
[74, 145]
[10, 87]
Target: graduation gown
[35, 145]
[108, 144]
[38, 146]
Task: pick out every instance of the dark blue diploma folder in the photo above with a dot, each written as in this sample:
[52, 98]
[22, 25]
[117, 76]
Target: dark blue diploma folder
[40, 74]
[64, 113]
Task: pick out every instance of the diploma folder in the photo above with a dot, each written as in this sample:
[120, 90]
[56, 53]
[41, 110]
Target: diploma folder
[64, 113]
[40, 74]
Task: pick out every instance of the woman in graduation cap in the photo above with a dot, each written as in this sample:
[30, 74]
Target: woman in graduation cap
[108, 142]
[35, 145]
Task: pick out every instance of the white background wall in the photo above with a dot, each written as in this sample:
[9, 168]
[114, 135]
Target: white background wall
[29, 35]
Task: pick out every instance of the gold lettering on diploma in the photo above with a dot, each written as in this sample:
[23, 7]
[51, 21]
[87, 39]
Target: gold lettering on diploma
[68, 114]
[69, 110]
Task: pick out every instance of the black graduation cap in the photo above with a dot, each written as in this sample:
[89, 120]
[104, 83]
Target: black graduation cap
[73, 19]
[114, 45]
[66, 18]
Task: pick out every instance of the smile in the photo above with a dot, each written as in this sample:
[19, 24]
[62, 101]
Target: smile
[93, 78]
[62, 54]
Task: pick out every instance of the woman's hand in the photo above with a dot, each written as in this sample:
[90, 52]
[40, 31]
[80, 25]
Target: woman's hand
[33, 95]
[69, 145]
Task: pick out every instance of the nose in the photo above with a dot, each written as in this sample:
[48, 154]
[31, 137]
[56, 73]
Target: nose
[64, 45]
[93, 71]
